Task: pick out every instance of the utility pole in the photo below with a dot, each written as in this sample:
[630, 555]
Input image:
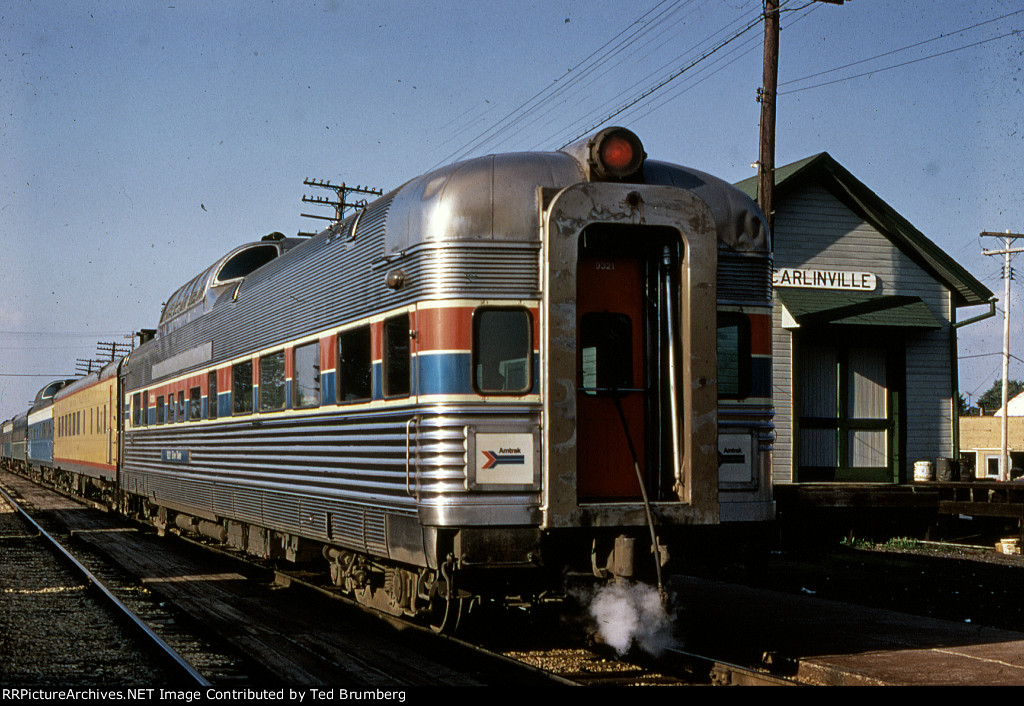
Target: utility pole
[341, 205]
[766, 97]
[1006, 252]
[113, 349]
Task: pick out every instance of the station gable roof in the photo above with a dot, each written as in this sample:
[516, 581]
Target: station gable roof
[823, 170]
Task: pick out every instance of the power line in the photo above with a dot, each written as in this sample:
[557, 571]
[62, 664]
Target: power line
[541, 96]
[68, 334]
[581, 82]
[902, 64]
[901, 49]
[631, 46]
[669, 79]
[710, 70]
[658, 76]
[34, 375]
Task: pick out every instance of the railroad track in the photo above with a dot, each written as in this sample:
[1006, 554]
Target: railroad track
[286, 636]
[175, 668]
[570, 666]
[567, 663]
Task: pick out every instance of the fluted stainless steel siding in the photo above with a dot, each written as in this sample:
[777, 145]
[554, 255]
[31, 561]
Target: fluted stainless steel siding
[331, 477]
[330, 283]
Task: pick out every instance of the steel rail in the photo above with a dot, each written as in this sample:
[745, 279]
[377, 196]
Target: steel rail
[147, 632]
[728, 674]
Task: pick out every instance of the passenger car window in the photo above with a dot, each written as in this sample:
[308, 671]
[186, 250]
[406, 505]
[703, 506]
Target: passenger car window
[734, 356]
[272, 382]
[306, 375]
[397, 357]
[195, 404]
[354, 365]
[502, 351]
[211, 395]
[241, 387]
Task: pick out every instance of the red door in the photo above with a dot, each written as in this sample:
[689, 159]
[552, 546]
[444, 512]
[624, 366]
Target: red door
[610, 380]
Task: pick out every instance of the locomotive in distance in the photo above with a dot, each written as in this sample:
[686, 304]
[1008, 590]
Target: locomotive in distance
[356, 397]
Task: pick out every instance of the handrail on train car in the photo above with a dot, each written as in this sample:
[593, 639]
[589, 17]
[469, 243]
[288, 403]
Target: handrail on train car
[412, 420]
[677, 468]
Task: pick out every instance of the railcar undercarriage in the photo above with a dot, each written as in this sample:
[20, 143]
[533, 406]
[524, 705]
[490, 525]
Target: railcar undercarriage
[517, 566]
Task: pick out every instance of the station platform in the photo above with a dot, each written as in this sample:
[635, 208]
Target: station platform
[825, 642]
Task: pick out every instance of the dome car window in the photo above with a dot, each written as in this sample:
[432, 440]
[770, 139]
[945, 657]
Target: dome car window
[245, 262]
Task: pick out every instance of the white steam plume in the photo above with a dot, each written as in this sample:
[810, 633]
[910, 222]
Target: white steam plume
[629, 614]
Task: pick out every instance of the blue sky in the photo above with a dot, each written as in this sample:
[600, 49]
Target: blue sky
[140, 141]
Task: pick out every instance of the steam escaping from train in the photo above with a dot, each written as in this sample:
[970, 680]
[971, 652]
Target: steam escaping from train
[632, 614]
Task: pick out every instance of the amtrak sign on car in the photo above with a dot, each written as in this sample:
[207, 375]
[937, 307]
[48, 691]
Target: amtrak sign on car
[824, 279]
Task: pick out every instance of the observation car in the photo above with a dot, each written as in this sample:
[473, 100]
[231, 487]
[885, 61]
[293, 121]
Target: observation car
[507, 368]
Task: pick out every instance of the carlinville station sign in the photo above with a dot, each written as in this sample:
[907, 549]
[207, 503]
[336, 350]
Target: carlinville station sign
[824, 279]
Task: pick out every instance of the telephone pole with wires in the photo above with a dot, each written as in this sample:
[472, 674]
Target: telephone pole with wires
[341, 204]
[1006, 252]
[766, 97]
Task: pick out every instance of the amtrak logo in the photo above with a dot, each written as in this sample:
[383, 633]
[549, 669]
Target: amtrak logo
[504, 457]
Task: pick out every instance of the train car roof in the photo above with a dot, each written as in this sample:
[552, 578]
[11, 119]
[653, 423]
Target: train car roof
[477, 199]
[232, 268]
[105, 373]
[482, 199]
[45, 395]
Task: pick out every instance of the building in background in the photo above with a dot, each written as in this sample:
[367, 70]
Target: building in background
[864, 336]
[981, 441]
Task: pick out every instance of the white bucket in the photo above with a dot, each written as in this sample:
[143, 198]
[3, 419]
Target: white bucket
[924, 470]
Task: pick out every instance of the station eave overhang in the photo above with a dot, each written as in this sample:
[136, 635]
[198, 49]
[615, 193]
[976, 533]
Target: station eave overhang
[807, 307]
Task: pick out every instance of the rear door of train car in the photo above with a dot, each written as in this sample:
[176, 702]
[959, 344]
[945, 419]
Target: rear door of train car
[631, 348]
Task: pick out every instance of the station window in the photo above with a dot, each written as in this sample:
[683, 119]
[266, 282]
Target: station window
[354, 365]
[241, 387]
[272, 382]
[306, 375]
[734, 359]
[397, 357]
[211, 395]
[502, 351]
[195, 404]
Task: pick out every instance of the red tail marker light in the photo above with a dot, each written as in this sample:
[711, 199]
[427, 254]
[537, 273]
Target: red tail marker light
[615, 153]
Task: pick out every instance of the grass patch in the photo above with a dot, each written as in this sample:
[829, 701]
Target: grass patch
[903, 543]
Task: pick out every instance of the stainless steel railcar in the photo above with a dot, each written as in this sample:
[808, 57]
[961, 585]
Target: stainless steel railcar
[503, 368]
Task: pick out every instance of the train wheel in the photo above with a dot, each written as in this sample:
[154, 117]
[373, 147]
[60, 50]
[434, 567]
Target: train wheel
[446, 614]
